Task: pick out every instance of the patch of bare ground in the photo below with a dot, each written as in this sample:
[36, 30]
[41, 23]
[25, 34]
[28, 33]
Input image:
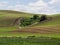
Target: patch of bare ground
[41, 30]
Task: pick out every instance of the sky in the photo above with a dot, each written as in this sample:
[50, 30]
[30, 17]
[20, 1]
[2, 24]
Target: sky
[32, 6]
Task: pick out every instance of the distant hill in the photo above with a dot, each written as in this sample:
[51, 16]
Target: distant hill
[7, 17]
[11, 11]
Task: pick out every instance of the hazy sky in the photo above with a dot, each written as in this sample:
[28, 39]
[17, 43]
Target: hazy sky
[33, 6]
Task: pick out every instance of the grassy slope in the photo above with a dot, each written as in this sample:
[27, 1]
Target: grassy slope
[7, 18]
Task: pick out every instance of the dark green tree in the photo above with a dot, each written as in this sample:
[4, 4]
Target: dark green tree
[35, 17]
[43, 18]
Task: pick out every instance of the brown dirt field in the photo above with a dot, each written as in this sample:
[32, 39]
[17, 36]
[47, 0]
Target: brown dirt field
[41, 30]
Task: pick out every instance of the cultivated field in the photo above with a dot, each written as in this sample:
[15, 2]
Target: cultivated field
[49, 28]
[7, 19]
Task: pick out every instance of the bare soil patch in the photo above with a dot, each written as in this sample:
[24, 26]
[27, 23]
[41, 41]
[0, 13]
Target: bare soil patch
[41, 30]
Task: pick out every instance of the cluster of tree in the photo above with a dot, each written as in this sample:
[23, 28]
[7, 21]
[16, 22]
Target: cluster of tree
[26, 22]
[35, 18]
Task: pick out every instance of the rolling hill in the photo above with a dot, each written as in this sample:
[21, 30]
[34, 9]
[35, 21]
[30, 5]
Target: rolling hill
[47, 27]
[7, 17]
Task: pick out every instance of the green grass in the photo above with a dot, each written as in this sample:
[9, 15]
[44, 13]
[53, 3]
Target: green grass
[24, 35]
[4, 29]
[29, 41]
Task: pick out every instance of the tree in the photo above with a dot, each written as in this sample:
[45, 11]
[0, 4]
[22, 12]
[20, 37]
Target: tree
[43, 18]
[26, 22]
[35, 17]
